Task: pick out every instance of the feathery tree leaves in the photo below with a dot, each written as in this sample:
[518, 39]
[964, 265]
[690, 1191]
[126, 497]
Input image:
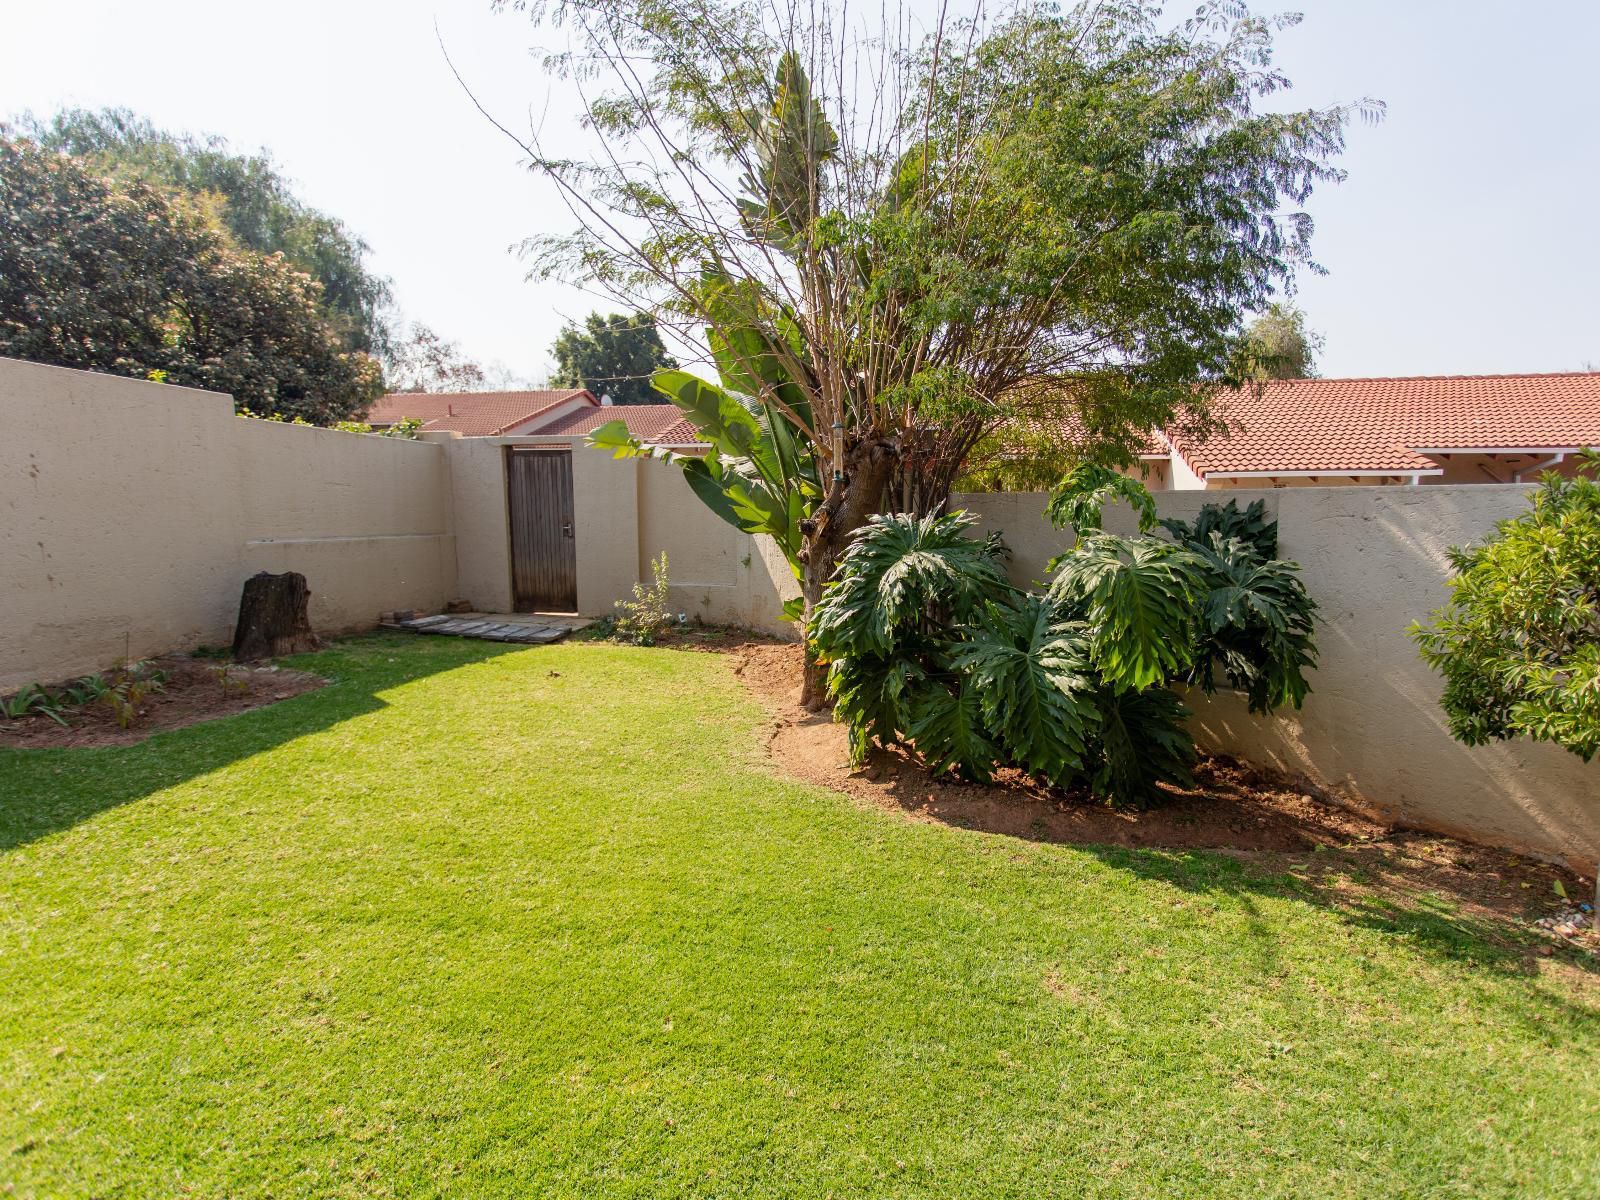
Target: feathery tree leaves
[1519, 642]
[1279, 345]
[1083, 204]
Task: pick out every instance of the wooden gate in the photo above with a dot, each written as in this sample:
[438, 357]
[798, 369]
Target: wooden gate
[544, 559]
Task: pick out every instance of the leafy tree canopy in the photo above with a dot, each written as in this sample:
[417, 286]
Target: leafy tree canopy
[612, 355]
[888, 236]
[1519, 643]
[1279, 345]
[254, 202]
[420, 360]
[122, 276]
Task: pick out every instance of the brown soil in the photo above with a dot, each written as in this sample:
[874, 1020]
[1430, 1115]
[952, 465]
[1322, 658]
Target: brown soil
[1279, 823]
[193, 693]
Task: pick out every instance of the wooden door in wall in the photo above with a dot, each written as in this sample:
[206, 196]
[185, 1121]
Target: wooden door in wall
[544, 558]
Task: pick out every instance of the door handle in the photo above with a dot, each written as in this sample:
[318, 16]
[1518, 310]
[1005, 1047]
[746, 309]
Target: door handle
[566, 529]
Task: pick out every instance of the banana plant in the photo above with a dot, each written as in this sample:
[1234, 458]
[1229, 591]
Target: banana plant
[757, 473]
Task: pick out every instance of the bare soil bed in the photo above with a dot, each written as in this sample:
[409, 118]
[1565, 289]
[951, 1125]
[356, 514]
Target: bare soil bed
[193, 693]
[1348, 858]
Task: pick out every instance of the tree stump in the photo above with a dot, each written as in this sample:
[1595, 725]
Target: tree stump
[272, 617]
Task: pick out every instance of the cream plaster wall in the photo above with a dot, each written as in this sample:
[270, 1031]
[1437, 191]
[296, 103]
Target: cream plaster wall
[132, 512]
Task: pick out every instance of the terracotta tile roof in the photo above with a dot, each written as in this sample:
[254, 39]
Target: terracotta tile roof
[1343, 425]
[661, 423]
[474, 414]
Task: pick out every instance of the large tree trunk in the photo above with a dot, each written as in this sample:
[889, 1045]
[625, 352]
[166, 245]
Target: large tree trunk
[272, 617]
[851, 501]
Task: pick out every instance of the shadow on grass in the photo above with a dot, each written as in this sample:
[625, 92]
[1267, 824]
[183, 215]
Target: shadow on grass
[45, 791]
[1457, 902]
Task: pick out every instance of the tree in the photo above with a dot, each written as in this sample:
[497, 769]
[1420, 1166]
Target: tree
[422, 361]
[1519, 642]
[254, 202]
[127, 278]
[887, 238]
[1279, 345]
[614, 355]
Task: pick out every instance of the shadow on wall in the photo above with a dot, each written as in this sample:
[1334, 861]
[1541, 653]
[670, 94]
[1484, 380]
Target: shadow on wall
[46, 791]
[1372, 731]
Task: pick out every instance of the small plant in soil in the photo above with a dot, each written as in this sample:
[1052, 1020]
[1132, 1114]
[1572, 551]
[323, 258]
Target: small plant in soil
[231, 684]
[32, 700]
[647, 615]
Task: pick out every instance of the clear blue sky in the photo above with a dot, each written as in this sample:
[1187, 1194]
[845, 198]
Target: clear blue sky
[1467, 238]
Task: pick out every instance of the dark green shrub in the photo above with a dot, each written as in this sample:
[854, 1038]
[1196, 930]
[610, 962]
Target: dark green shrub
[1519, 642]
[927, 642]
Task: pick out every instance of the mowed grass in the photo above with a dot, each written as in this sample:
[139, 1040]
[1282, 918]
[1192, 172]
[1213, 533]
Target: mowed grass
[474, 922]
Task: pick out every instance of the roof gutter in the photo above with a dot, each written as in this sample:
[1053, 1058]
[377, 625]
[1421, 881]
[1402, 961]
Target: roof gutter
[1395, 473]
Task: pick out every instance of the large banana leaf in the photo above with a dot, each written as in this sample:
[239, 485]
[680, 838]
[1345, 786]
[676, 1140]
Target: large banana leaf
[749, 477]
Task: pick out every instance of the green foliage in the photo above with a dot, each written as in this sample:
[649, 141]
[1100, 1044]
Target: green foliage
[756, 475]
[30, 700]
[1079, 500]
[1140, 742]
[926, 640]
[1519, 642]
[126, 278]
[1257, 625]
[649, 612]
[250, 198]
[406, 428]
[1228, 521]
[1083, 205]
[611, 355]
[1140, 599]
[1029, 666]
[902, 573]
[122, 691]
[1279, 345]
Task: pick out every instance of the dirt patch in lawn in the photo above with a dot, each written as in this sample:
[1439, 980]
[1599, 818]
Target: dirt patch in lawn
[194, 692]
[1348, 858]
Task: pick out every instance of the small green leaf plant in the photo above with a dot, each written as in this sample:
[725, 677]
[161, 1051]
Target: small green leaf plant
[647, 615]
[1519, 642]
[929, 644]
[121, 691]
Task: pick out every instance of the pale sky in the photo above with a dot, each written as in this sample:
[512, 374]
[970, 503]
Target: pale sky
[1464, 241]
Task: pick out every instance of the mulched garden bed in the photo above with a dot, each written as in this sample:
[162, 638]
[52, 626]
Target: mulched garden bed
[194, 692]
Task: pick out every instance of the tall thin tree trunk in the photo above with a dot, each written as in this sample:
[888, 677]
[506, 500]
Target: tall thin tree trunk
[851, 502]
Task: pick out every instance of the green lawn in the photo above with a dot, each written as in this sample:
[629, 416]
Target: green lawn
[478, 922]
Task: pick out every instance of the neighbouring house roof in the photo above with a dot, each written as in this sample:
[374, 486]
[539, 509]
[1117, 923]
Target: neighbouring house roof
[473, 414]
[663, 424]
[1340, 426]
